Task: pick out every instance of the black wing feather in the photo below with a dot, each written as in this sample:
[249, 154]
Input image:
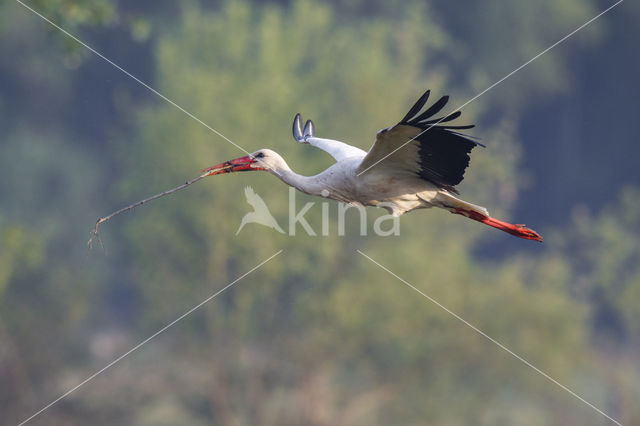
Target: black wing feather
[444, 154]
[433, 109]
[449, 117]
[468, 126]
[417, 107]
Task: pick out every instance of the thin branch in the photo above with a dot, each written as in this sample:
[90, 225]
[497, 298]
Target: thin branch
[94, 231]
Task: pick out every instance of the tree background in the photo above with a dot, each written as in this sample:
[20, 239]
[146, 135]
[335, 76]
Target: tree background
[319, 335]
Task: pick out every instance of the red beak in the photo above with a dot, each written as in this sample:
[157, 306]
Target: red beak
[241, 164]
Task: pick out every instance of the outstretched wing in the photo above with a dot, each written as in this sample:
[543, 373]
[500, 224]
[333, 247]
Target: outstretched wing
[424, 146]
[338, 150]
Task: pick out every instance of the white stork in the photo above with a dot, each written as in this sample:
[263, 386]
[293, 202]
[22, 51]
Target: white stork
[412, 165]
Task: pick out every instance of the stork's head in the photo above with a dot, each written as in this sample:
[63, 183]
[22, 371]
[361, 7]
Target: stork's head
[263, 159]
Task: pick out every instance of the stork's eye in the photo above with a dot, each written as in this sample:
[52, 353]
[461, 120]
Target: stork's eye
[260, 155]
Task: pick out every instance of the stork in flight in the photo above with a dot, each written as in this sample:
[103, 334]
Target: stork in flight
[415, 164]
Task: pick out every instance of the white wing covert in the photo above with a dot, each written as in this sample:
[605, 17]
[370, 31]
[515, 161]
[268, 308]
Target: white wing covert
[422, 146]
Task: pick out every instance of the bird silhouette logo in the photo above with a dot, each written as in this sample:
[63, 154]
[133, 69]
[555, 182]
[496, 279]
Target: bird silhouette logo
[260, 213]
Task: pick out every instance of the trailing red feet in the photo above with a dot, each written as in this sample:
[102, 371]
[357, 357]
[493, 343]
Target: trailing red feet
[514, 229]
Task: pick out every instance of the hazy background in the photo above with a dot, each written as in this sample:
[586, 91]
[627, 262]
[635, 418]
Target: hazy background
[319, 335]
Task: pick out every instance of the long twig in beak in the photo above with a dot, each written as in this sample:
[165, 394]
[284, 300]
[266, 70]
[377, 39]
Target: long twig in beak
[94, 231]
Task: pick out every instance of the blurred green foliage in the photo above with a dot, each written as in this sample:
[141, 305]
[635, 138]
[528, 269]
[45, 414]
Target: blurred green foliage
[319, 335]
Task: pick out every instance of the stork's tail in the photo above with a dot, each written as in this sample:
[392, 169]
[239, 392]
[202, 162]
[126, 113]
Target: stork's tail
[514, 229]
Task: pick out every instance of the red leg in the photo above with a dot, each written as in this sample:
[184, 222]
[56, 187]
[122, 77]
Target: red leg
[517, 229]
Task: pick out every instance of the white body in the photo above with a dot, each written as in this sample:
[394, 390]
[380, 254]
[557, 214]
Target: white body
[397, 190]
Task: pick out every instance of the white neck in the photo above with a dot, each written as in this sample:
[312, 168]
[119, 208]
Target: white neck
[307, 184]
